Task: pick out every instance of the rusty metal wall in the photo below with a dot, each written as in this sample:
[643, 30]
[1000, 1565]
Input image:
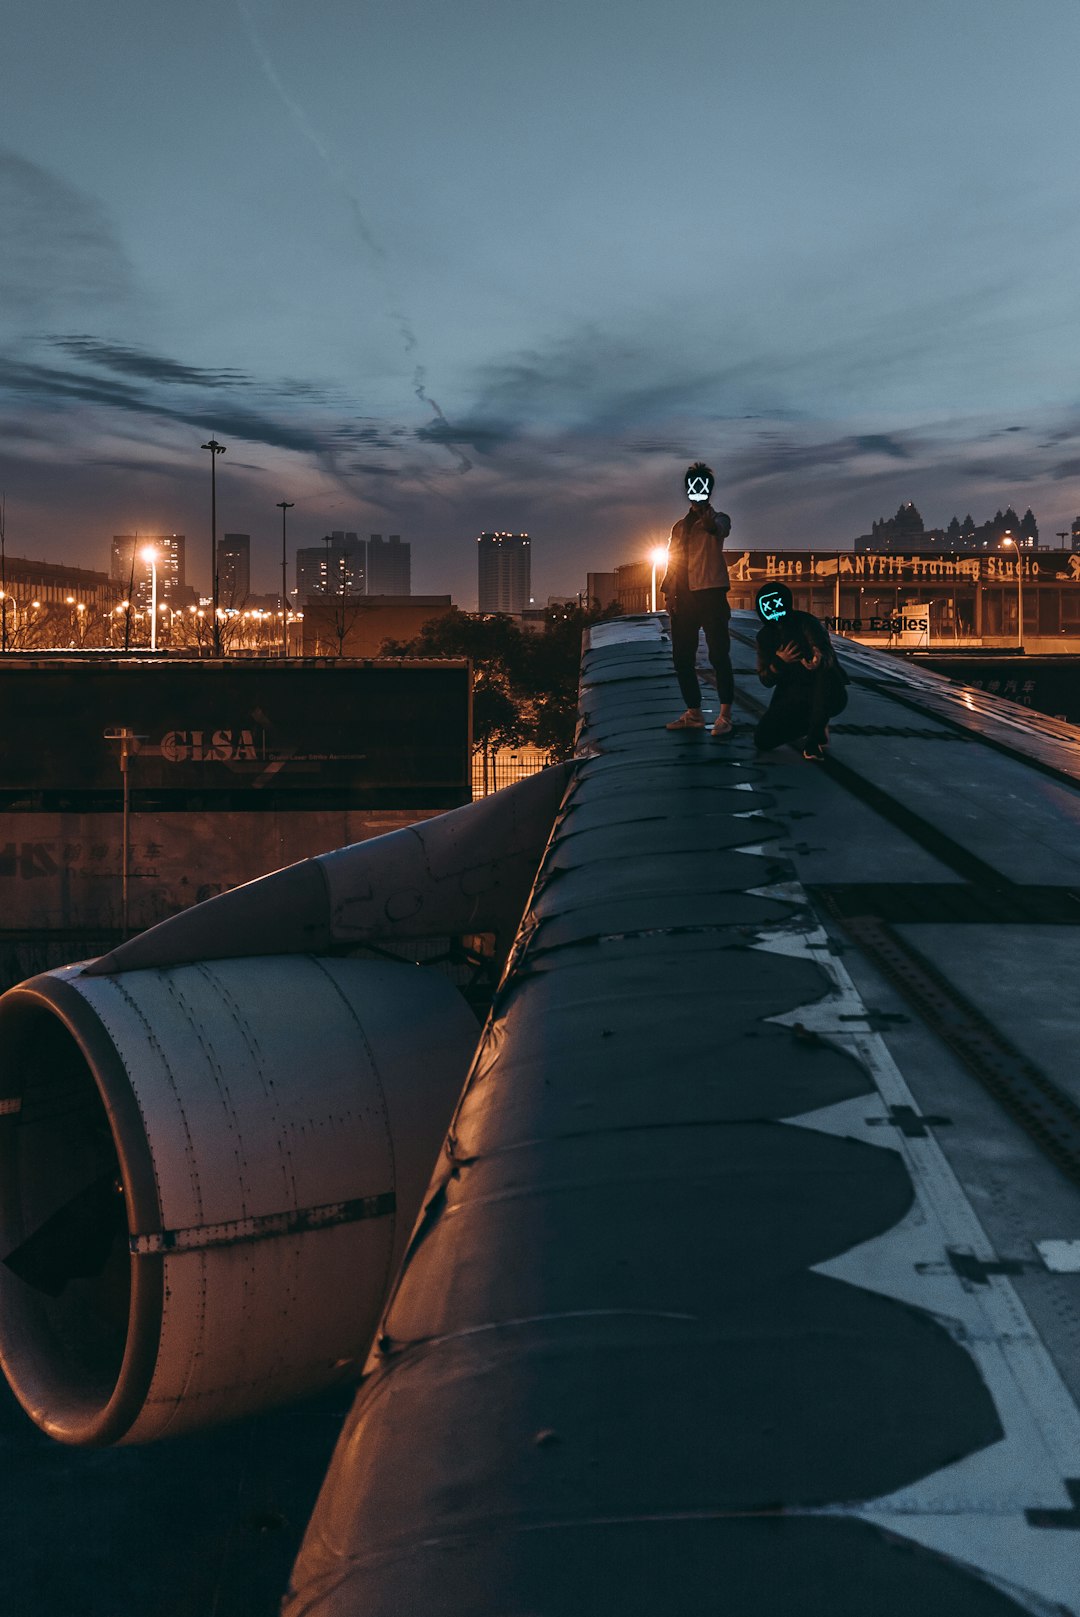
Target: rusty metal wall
[236, 768]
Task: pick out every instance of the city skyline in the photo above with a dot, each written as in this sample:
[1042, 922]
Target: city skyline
[308, 562]
[842, 275]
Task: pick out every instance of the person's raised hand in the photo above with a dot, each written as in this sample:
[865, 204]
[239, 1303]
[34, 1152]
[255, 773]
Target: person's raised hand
[814, 660]
[789, 653]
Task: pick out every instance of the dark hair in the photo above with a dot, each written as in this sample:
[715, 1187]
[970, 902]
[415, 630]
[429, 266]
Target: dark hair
[699, 469]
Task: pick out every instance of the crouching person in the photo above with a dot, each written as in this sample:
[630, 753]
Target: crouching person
[796, 658]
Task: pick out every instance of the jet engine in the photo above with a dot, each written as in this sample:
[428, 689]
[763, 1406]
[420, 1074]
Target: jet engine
[207, 1176]
[215, 1140]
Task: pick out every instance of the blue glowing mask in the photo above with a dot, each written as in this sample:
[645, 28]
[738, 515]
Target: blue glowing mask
[772, 606]
[698, 488]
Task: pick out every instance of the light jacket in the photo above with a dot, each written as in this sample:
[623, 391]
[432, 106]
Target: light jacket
[694, 545]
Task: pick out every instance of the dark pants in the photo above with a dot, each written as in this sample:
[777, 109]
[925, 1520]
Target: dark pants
[801, 707]
[691, 611]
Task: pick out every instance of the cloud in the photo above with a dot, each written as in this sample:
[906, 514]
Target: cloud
[51, 385]
[143, 466]
[770, 455]
[60, 251]
[291, 387]
[481, 435]
[880, 443]
[148, 384]
[585, 376]
[151, 367]
[375, 437]
[50, 382]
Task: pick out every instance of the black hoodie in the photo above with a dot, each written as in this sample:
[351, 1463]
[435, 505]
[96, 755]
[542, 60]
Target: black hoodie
[804, 629]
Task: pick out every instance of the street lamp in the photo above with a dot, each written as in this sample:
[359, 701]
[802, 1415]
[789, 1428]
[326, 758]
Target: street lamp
[150, 555]
[1009, 540]
[215, 449]
[283, 506]
[658, 557]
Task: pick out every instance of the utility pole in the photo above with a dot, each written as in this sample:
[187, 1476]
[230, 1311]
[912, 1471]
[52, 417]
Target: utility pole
[128, 745]
[284, 505]
[130, 595]
[215, 449]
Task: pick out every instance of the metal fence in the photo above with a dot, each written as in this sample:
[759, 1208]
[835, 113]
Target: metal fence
[493, 770]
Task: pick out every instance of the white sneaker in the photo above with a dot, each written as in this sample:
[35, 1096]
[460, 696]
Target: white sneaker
[690, 720]
[722, 727]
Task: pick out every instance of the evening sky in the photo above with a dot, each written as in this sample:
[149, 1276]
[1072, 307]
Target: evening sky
[435, 268]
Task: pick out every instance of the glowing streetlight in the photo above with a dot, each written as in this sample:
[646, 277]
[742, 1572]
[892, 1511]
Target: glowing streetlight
[215, 449]
[150, 555]
[284, 506]
[658, 557]
[1009, 540]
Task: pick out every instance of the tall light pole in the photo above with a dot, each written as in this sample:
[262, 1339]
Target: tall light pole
[284, 505]
[1009, 540]
[215, 449]
[150, 555]
[658, 557]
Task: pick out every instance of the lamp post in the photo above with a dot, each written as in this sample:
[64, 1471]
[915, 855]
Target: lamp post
[150, 555]
[658, 557]
[215, 449]
[1009, 540]
[284, 505]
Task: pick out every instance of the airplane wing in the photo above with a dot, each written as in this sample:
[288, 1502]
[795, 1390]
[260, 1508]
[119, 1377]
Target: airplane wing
[746, 1278]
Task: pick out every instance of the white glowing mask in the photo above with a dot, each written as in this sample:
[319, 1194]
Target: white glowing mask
[698, 488]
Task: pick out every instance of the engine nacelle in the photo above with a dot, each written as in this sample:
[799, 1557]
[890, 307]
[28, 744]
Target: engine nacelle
[208, 1174]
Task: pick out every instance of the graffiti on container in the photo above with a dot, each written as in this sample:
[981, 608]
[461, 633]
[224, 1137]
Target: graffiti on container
[204, 747]
[31, 861]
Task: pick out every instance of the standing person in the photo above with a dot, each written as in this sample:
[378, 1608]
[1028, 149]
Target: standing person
[695, 587]
[795, 654]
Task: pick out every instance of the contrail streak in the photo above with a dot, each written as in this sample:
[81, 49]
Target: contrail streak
[367, 235]
[418, 388]
[310, 134]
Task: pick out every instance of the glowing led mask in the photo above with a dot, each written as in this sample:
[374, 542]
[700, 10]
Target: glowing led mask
[698, 488]
[772, 606]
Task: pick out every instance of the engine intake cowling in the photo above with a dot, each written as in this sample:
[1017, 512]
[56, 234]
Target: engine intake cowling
[208, 1174]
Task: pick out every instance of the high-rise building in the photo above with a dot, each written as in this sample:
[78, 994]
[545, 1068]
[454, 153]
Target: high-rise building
[170, 564]
[334, 567]
[310, 572]
[389, 566]
[505, 561]
[234, 568]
